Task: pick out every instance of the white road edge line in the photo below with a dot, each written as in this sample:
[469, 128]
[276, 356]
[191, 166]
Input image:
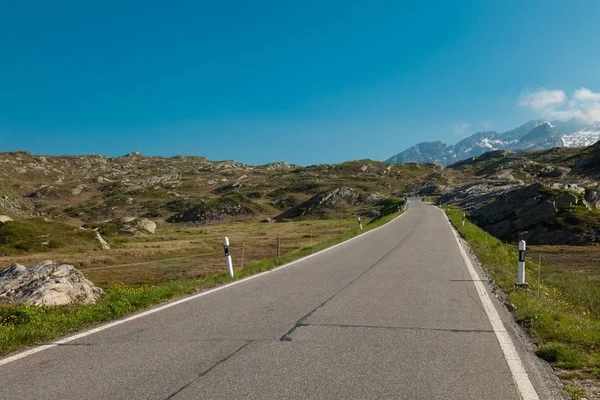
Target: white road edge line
[68, 339]
[520, 377]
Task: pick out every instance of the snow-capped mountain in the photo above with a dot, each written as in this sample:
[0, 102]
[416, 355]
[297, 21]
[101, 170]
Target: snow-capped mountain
[534, 135]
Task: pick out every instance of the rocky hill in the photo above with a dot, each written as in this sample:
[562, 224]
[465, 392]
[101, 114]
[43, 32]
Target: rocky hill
[53, 201]
[545, 197]
[56, 200]
[534, 135]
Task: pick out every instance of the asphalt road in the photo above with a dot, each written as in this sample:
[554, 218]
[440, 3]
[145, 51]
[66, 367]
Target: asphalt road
[393, 314]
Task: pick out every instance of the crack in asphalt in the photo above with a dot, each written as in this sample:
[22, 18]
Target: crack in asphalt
[301, 322]
[418, 328]
[206, 371]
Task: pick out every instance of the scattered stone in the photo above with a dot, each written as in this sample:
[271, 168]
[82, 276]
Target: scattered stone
[134, 154]
[47, 284]
[78, 189]
[265, 220]
[572, 187]
[5, 218]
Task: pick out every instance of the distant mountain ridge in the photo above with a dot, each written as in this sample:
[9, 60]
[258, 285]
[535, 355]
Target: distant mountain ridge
[533, 135]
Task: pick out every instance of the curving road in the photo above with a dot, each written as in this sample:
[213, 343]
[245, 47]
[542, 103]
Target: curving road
[393, 314]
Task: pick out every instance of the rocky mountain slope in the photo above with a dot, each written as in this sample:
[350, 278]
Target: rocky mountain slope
[534, 135]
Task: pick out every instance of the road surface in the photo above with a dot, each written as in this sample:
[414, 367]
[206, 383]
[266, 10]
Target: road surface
[393, 314]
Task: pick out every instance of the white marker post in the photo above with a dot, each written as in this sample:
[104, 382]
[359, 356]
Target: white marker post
[360, 224]
[521, 278]
[228, 256]
[463, 220]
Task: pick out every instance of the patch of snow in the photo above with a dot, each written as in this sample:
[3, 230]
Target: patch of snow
[490, 144]
[547, 123]
[586, 137]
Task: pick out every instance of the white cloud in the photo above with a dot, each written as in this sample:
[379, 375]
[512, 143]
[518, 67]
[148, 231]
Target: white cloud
[584, 94]
[461, 128]
[542, 99]
[583, 104]
[487, 125]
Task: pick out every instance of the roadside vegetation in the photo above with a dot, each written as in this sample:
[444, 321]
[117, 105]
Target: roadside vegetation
[27, 325]
[560, 311]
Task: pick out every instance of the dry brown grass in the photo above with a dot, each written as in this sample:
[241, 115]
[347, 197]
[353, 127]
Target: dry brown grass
[583, 259]
[177, 253]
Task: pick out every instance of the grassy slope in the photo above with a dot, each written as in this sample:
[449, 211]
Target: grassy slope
[557, 312]
[27, 325]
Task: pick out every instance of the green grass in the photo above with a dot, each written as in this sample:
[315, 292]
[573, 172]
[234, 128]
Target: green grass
[561, 315]
[37, 235]
[575, 393]
[24, 325]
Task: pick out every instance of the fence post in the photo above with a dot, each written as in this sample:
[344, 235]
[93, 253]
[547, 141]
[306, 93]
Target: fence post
[243, 250]
[521, 276]
[228, 256]
[278, 248]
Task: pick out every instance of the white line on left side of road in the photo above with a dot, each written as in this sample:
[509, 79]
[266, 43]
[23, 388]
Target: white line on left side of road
[68, 339]
[520, 377]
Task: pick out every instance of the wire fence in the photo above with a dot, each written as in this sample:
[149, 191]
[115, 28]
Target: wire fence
[244, 249]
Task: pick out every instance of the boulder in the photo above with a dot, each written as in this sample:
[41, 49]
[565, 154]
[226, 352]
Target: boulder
[566, 200]
[44, 192]
[373, 198]
[572, 187]
[103, 243]
[77, 190]
[592, 196]
[47, 284]
[553, 172]
[146, 224]
[265, 220]
[5, 218]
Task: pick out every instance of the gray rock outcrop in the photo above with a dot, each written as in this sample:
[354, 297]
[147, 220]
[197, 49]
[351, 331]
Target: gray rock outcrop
[46, 284]
[216, 210]
[534, 212]
[319, 204]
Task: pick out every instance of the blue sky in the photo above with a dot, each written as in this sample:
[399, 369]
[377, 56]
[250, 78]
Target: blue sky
[305, 82]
